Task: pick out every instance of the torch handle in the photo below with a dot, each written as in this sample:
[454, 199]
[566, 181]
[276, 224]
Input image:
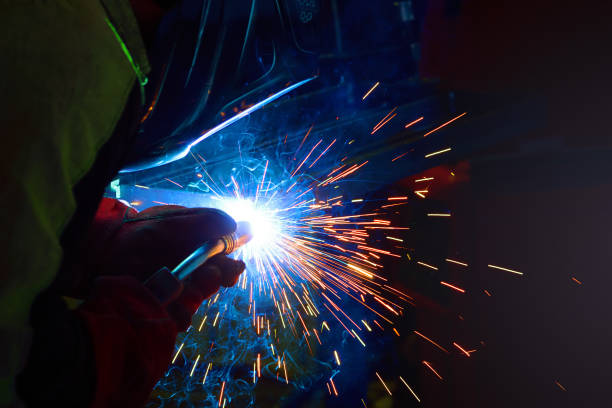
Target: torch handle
[198, 257]
[167, 285]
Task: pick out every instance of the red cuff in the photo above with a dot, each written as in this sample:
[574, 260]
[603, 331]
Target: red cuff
[108, 219]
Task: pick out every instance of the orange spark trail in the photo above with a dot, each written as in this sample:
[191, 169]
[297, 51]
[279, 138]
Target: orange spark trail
[324, 151]
[452, 286]
[432, 369]
[464, 351]
[381, 124]
[444, 124]
[173, 182]
[333, 386]
[413, 122]
[376, 129]
[399, 157]
[221, 395]
[431, 341]
[303, 140]
[306, 158]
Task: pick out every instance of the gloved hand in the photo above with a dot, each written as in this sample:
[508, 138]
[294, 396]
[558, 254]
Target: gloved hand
[125, 242]
[201, 284]
[118, 343]
[131, 331]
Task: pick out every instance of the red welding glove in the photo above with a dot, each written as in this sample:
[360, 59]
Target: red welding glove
[132, 332]
[123, 241]
[139, 244]
[202, 283]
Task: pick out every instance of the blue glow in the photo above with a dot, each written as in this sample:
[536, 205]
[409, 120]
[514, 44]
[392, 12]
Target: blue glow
[244, 113]
[219, 127]
[313, 285]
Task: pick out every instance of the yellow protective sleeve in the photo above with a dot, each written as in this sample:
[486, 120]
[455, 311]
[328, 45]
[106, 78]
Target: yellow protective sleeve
[64, 81]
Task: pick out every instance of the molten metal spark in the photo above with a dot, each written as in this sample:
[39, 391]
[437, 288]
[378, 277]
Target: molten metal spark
[444, 124]
[370, 91]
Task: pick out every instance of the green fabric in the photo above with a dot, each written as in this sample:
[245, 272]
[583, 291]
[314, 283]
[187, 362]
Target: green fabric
[64, 82]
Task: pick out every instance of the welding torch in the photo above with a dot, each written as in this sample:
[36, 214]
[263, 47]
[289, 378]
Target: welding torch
[167, 285]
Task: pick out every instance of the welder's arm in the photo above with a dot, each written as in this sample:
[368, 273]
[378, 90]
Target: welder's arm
[117, 344]
[112, 350]
[122, 241]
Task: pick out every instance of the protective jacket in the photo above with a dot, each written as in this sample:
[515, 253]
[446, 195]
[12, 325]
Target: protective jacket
[71, 81]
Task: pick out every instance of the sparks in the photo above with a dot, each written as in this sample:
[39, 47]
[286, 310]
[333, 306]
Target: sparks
[423, 179]
[370, 91]
[178, 352]
[331, 380]
[173, 182]
[560, 386]
[206, 374]
[448, 149]
[431, 341]
[221, 394]
[383, 383]
[505, 269]
[456, 262]
[413, 122]
[444, 124]
[410, 389]
[337, 357]
[452, 286]
[464, 351]
[427, 265]
[304, 263]
[384, 121]
[432, 369]
[195, 364]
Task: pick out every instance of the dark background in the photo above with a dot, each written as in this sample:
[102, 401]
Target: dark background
[537, 202]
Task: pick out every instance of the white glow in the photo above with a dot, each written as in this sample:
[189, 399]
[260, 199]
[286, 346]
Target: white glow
[264, 226]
